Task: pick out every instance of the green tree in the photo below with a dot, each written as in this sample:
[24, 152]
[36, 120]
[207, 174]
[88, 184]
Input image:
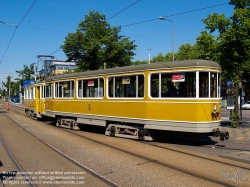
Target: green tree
[25, 74]
[7, 84]
[207, 45]
[96, 44]
[163, 58]
[137, 62]
[233, 43]
[188, 52]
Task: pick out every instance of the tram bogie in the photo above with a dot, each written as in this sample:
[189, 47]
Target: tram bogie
[67, 123]
[125, 131]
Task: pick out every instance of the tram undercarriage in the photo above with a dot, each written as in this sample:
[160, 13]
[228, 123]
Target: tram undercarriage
[67, 123]
[125, 131]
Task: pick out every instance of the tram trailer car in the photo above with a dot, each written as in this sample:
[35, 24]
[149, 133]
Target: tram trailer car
[138, 101]
[34, 99]
[29, 100]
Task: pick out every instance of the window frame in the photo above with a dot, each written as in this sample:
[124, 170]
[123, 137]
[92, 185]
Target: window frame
[71, 89]
[196, 89]
[136, 75]
[50, 90]
[98, 87]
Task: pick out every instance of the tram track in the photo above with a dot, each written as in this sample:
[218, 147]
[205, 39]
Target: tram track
[18, 166]
[164, 164]
[191, 153]
[79, 165]
[148, 159]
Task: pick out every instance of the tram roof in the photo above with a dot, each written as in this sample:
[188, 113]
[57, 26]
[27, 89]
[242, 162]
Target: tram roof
[142, 67]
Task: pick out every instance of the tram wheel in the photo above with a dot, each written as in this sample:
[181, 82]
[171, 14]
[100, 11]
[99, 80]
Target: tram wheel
[140, 133]
[58, 123]
[72, 125]
[226, 135]
[222, 136]
[112, 131]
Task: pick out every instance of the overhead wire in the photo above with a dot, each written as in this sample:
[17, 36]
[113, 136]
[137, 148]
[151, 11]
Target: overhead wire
[16, 27]
[123, 10]
[186, 12]
[175, 14]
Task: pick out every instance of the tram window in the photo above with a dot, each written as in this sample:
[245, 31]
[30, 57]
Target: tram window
[42, 92]
[80, 88]
[219, 86]
[64, 89]
[203, 84]
[190, 80]
[91, 88]
[101, 87]
[31, 93]
[126, 86]
[27, 94]
[168, 85]
[34, 92]
[111, 87]
[129, 83]
[154, 85]
[141, 89]
[213, 82]
[48, 90]
[119, 87]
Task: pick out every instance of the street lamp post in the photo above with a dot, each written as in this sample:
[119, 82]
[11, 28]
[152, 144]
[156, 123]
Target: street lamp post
[162, 18]
[10, 76]
[34, 69]
[149, 55]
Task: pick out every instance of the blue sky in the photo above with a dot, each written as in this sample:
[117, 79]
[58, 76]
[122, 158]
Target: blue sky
[47, 23]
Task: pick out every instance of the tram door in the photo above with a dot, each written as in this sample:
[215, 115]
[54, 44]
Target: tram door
[38, 107]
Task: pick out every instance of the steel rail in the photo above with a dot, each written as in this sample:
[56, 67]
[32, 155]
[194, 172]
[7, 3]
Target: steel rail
[91, 172]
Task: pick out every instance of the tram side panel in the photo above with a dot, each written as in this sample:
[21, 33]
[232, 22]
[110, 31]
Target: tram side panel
[183, 115]
[98, 108]
[175, 115]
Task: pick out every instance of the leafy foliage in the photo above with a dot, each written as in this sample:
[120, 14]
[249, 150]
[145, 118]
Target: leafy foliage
[26, 73]
[188, 52]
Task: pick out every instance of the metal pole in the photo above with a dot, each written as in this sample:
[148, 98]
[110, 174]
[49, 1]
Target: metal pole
[162, 18]
[35, 70]
[9, 91]
[149, 56]
[241, 104]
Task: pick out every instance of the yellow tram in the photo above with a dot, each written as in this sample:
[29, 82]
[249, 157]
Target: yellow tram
[34, 99]
[134, 101]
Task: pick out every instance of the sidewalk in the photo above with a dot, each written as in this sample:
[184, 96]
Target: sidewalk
[241, 133]
[242, 156]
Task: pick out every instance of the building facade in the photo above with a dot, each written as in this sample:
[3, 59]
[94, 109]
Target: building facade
[56, 67]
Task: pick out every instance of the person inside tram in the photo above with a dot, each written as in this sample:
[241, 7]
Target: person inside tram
[154, 89]
[172, 91]
[130, 89]
[141, 89]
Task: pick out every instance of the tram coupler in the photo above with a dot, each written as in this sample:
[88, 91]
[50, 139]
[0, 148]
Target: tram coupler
[222, 134]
